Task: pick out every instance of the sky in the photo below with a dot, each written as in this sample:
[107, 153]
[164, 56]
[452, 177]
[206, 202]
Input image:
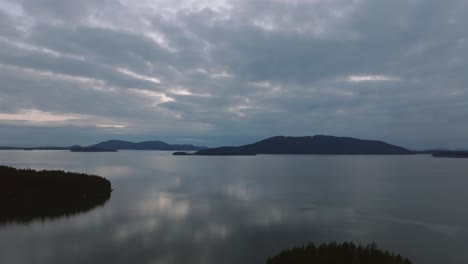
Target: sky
[213, 73]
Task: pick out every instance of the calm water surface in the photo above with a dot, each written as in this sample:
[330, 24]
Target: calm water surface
[186, 209]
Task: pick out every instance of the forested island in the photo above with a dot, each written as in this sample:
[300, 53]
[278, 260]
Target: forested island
[26, 194]
[334, 253]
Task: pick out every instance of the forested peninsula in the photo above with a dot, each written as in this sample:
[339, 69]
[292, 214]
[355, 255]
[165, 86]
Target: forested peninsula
[27, 194]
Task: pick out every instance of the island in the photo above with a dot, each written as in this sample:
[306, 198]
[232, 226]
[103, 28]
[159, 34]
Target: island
[145, 145]
[450, 154]
[91, 149]
[114, 145]
[180, 153]
[310, 145]
[344, 253]
[35, 148]
[27, 195]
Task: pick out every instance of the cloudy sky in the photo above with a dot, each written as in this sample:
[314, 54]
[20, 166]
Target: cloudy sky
[212, 72]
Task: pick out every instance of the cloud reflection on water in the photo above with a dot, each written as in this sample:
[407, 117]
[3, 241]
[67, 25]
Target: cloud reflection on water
[238, 210]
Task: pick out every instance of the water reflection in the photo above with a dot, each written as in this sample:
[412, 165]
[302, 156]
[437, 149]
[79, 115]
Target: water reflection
[227, 210]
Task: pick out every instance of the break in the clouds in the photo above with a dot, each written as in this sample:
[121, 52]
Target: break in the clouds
[229, 72]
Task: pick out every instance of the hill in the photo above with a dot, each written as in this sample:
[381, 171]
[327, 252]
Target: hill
[319, 145]
[145, 145]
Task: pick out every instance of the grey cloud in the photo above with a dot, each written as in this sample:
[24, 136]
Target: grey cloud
[6, 24]
[305, 51]
[107, 45]
[67, 10]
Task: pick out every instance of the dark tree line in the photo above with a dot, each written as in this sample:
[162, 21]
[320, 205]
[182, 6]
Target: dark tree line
[27, 194]
[335, 253]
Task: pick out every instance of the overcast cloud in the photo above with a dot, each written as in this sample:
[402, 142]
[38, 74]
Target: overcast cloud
[231, 72]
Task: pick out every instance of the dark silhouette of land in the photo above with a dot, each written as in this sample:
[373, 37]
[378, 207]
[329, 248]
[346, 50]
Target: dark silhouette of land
[333, 253]
[37, 148]
[145, 145]
[26, 195]
[112, 145]
[309, 145]
[180, 153]
[319, 145]
[91, 149]
[9, 148]
[450, 154]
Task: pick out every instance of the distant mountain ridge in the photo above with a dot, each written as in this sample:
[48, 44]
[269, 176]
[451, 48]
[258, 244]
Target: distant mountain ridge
[116, 145]
[307, 145]
[319, 145]
[145, 145]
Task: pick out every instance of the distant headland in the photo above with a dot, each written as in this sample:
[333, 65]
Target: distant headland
[26, 195]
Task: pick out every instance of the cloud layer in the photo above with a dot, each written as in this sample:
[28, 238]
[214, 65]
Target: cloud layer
[229, 72]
